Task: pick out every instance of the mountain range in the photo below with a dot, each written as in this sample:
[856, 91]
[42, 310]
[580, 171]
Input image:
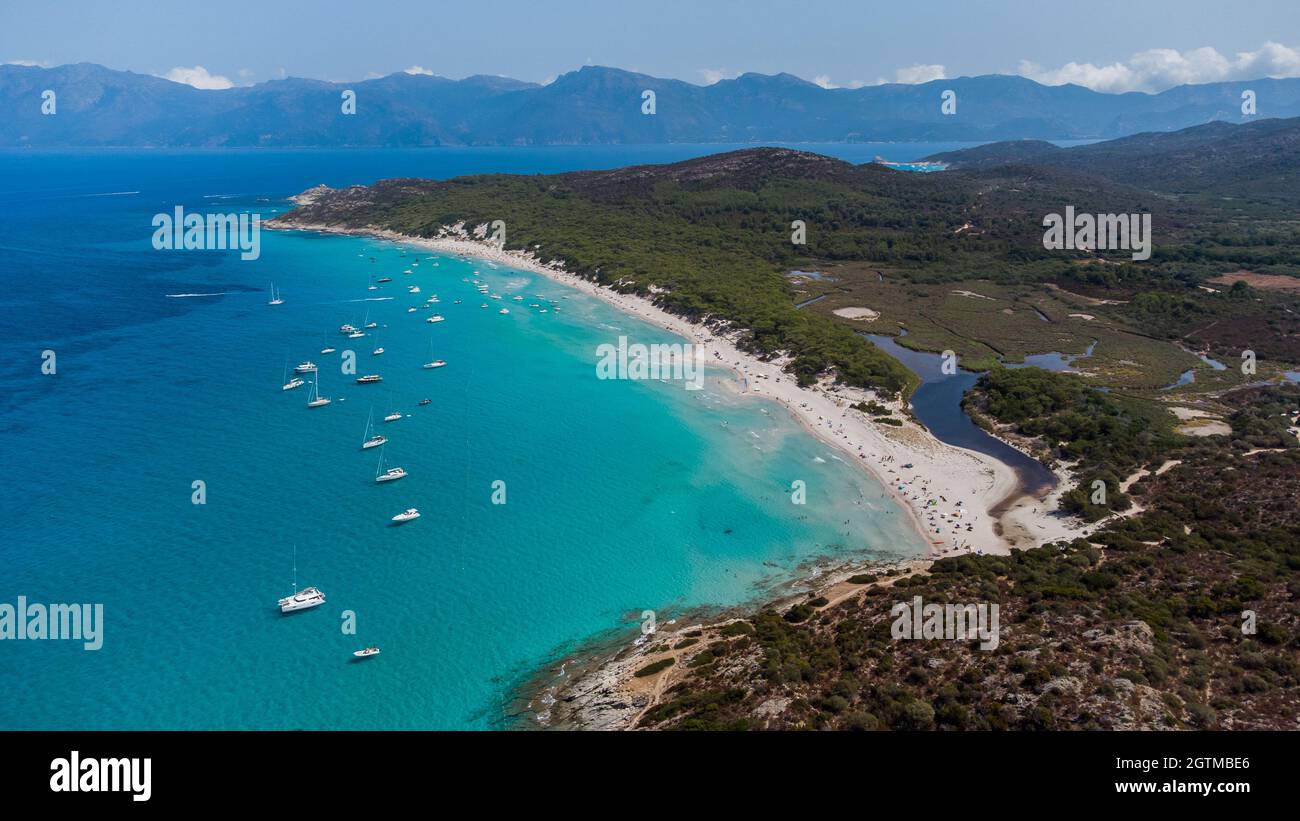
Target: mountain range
[98, 106]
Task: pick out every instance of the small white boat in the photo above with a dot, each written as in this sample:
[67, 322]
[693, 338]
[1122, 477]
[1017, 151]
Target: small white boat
[276, 299]
[504, 311]
[519, 299]
[372, 325]
[414, 289]
[328, 349]
[377, 352]
[293, 383]
[368, 378]
[411, 310]
[435, 318]
[408, 515]
[347, 329]
[355, 335]
[366, 653]
[393, 417]
[305, 367]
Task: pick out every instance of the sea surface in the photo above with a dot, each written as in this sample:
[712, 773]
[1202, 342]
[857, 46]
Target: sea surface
[620, 496]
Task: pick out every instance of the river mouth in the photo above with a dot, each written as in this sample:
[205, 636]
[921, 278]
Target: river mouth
[937, 405]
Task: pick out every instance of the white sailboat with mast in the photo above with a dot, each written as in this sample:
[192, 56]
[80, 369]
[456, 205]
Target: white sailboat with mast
[303, 599]
[390, 475]
[432, 363]
[315, 400]
[372, 440]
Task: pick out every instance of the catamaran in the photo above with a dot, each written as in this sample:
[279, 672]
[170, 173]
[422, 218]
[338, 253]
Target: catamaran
[372, 440]
[301, 599]
[389, 475]
[276, 299]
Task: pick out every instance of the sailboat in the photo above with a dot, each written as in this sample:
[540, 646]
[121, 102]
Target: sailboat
[379, 349]
[291, 383]
[315, 400]
[390, 475]
[303, 599]
[276, 299]
[372, 440]
[433, 363]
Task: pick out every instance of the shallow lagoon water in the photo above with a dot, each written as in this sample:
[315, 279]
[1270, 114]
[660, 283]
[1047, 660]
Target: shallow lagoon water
[620, 496]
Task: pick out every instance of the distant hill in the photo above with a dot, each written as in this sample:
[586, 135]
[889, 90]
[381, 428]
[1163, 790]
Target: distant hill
[98, 106]
[1259, 160]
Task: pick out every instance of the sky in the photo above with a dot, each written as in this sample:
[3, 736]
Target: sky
[1108, 45]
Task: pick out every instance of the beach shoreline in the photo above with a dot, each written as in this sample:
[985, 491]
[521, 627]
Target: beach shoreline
[958, 500]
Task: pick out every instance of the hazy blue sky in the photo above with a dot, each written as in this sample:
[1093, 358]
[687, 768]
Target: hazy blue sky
[1107, 44]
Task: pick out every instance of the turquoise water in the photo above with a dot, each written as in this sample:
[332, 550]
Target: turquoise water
[620, 496]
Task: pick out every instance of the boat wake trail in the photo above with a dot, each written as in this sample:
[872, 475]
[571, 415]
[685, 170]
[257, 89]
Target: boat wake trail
[186, 296]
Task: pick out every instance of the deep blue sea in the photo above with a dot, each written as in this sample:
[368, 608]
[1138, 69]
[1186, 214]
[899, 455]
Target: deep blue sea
[621, 496]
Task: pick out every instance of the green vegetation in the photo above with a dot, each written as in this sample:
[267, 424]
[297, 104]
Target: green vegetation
[1138, 627]
[955, 258]
[655, 667]
[1108, 437]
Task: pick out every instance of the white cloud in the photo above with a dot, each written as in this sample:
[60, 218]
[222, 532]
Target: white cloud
[920, 73]
[825, 81]
[713, 75]
[28, 63]
[198, 77]
[418, 70]
[1161, 68]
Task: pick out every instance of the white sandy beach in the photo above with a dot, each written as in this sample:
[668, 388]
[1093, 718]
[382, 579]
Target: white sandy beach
[959, 499]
